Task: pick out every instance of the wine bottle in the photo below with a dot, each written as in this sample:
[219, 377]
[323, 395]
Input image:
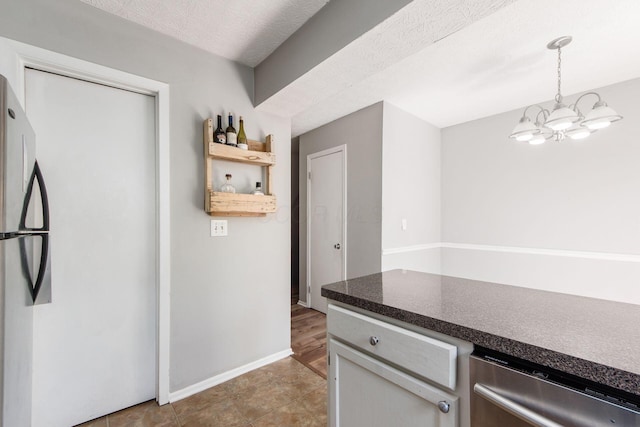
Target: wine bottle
[219, 136]
[232, 137]
[242, 137]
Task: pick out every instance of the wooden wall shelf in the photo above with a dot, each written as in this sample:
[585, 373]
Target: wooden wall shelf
[236, 204]
[230, 204]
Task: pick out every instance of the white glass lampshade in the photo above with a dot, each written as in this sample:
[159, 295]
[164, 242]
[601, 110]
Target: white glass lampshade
[578, 133]
[524, 130]
[537, 139]
[561, 118]
[601, 116]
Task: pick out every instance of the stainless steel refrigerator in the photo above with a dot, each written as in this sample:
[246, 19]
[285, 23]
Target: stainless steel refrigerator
[24, 257]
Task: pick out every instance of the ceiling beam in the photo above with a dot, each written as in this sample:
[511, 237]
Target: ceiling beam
[336, 25]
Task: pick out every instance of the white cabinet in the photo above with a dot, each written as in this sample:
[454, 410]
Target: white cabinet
[366, 392]
[384, 375]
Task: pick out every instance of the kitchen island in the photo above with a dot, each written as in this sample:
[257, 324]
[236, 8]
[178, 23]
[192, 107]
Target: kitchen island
[591, 339]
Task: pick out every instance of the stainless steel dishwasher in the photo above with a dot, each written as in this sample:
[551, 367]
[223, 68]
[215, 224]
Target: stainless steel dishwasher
[509, 392]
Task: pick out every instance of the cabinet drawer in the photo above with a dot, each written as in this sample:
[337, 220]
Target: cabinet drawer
[432, 359]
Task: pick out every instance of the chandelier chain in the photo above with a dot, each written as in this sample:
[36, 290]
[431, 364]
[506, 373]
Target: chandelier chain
[559, 94]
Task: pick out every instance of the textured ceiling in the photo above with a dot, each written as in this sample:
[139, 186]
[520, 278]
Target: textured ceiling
[332, 88]
[493, 65]
[446, 61]
[246, 31]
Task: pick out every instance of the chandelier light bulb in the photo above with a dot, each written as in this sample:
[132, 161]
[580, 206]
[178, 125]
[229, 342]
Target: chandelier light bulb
[578, 133]
[537, 140]
[599, 125]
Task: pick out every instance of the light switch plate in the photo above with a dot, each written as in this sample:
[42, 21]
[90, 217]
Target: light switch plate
[404, 224]
[219, 227]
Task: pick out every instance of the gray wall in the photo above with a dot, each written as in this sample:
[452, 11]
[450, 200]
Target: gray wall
[223, 314]
[570, 196]
[362, 133]
[336, 25]
[411, 191]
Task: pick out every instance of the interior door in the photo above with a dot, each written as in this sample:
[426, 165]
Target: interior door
[327, 245]
[95, 344]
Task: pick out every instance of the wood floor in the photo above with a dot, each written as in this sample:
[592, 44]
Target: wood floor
[309, 338]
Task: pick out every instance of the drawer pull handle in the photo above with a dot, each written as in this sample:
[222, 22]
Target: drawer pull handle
[443, 406]
[373, 340]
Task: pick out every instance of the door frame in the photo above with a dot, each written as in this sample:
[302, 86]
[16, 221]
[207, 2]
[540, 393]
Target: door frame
[28, 56]
[338, 149]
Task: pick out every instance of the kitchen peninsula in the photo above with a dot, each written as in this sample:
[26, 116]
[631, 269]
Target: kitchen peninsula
[589, 339]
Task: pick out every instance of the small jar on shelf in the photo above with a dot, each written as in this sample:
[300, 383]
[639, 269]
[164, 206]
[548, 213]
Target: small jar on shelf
[228, 187]
[258, 191]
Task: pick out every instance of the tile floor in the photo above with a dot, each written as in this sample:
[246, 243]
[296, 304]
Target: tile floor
[282, 394]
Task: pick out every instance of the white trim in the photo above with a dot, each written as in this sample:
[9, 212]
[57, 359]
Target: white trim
[337, 149]
[302, 303]
[41, 59]
[602, 256]
[413, 248]
[344, 212]
[226, 376]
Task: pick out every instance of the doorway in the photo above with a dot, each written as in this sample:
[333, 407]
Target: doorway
[326, 222]
[95, 346]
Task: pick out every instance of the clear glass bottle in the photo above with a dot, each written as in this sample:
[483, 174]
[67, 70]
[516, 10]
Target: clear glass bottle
[227, 187]
[258, 190]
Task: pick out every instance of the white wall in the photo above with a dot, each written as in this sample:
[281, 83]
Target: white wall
[515, 202]
[362, 133]
[411, 191]
[223, 314]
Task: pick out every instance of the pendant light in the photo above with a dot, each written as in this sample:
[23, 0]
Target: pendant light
[563, 121]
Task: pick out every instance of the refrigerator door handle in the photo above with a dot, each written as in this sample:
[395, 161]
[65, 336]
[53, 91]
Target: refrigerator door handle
[34, 288]
[42, 269]
[36, 174]
[43, 231]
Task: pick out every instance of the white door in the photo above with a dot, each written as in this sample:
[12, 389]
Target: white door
[326, 191]
[95, 344]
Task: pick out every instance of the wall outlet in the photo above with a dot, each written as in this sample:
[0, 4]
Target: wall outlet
[404, 224]
[218, 227]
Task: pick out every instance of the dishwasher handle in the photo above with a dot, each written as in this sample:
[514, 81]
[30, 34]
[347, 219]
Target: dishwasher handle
[514, 408]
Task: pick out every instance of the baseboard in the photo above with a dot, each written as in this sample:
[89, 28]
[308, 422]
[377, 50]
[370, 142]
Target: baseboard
[226, 376]
[302, 303]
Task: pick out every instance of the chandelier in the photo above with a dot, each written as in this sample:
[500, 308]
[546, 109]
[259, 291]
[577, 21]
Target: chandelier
[564, 121]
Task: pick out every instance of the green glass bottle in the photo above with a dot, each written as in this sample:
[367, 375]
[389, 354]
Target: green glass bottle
[242, 137]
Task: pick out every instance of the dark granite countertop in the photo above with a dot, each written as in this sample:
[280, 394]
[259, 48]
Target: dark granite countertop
[594, 339]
